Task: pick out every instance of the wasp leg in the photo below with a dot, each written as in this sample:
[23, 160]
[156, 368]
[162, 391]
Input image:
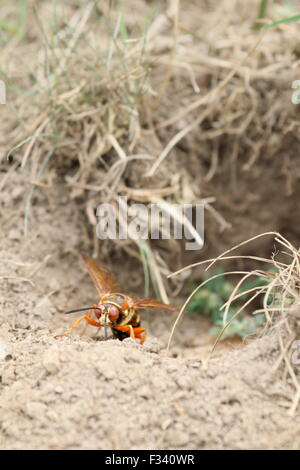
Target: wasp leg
[134, 332]
[77, 322]
[89, 314]
[140, 333]
[127, 329]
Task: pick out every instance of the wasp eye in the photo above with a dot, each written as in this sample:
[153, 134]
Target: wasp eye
[100, 311]
[113, 313]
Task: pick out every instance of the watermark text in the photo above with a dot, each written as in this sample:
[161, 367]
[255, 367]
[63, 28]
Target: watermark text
[160, 220]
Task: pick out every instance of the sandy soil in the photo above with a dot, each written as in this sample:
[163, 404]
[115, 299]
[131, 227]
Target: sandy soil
[81, 393]
[84, 393]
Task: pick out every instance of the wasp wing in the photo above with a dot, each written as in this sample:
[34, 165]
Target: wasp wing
[101, 276]
[152, 304]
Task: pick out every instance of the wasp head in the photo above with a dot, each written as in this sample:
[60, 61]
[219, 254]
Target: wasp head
[108, 314]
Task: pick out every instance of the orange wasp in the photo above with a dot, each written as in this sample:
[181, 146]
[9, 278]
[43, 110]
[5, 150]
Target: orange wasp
[115, 310]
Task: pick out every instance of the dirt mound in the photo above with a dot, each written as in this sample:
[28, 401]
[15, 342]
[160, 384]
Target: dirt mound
[81, 394]
[178, 110]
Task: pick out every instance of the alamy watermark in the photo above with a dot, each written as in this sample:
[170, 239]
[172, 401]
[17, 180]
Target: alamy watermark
[160, 220]
[296, 95]
[2, 92]
[296, 353]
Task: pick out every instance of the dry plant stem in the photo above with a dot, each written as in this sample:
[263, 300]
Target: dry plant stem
[183, 65]
[156, 276]
[214, 162]
[154, 270]
[190, 297]
[206, 112]
[292, 375]
[146, 195]
[283, 241]
[170, 210]
[266, 73]
[85, 14]
[239, 245]
[32, 141]
[162, 91]
[241, 294]
[123, 159]
[232, 296]
[61, 67]
[224, 224]
[177, 139]
[287, 282]
[233, 317]
[283, 280]
[213, 92]
[264, 260]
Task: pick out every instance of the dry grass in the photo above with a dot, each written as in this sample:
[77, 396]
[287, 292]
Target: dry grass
[281, 301]
[102, 100]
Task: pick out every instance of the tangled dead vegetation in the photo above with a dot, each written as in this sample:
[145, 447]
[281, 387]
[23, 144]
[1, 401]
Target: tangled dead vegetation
[281, 302]
[111, 105]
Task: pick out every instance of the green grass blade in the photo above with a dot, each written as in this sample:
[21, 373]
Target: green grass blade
[291, 19]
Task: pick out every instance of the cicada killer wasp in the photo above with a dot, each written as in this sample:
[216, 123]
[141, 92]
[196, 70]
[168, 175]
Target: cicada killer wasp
[115, 310]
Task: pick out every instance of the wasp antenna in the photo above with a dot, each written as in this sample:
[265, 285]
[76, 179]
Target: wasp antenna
[81, 310]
